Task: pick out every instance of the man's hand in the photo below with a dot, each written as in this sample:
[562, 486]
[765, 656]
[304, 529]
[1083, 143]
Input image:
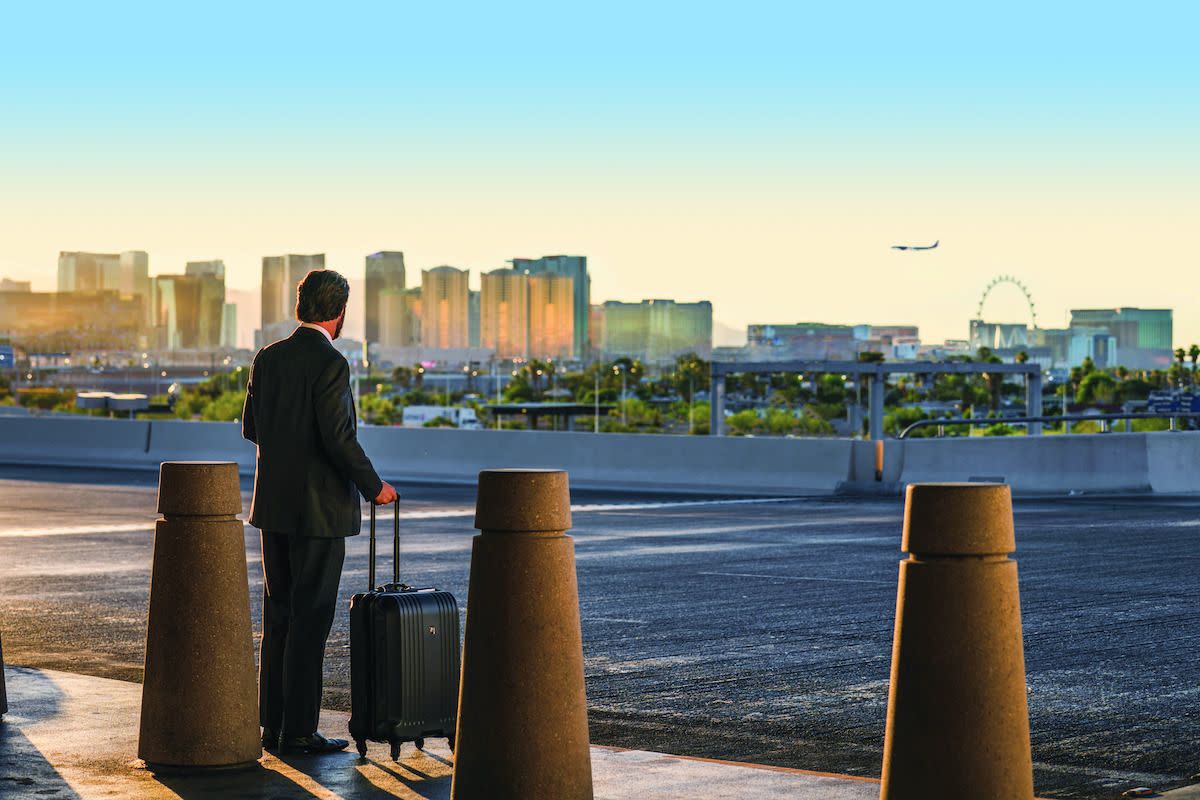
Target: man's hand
[387, 494]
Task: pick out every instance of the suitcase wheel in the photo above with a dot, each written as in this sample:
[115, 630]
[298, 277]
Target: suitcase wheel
[361, 744]
[420, 743]
[396, 751]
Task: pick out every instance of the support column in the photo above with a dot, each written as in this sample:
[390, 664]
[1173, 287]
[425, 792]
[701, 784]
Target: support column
[522, 711]
[200, 694]
[958, 718]
[877, 392]
[716, 405]
[1033, 401]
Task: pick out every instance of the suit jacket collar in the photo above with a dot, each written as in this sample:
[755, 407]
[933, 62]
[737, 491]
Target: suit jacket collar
[303, 332]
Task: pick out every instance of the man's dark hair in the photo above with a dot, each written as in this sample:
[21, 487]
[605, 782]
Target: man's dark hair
[321, 296]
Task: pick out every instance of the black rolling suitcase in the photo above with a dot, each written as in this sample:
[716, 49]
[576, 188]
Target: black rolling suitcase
[404, 659]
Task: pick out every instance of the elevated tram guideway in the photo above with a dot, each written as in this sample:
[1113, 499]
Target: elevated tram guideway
[877, 374]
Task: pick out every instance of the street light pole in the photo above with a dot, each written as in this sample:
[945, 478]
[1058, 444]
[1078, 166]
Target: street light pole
[691, 403]
[624, 402]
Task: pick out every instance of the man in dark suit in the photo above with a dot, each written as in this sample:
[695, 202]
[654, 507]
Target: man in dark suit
[310, 472]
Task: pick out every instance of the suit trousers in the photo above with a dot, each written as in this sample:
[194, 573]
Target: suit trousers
[299, 601]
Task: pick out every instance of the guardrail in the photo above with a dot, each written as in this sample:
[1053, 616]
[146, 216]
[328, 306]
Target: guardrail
[1105, 421]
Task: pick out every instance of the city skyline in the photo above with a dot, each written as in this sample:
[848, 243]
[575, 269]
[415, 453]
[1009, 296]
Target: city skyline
[766, 158]
[1008, 308]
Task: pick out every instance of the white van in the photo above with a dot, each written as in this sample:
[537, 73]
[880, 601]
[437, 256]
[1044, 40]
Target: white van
[417, 416]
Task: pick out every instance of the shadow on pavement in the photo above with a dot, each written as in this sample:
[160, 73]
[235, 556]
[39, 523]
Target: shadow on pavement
[314, 778]
[23, 770]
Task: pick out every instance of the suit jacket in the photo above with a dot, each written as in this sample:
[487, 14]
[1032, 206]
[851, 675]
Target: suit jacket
[310, 468]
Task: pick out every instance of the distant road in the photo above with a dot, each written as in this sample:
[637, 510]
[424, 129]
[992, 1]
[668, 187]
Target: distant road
[755, 631]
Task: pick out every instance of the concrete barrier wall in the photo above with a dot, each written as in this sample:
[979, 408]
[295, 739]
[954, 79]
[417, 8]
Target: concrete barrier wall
[679, 463]
[620, 461]
[1140, 462]
[75, 441]
[1116, 462]
[179, 440]
[1174, 460]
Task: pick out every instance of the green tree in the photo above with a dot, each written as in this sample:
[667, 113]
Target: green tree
[743, 423]
[994, 380]
[691, 374]
[1098, 387]
[403, 377]
[1000, 429]
[378, 410]
[225, 407]
[870, 357]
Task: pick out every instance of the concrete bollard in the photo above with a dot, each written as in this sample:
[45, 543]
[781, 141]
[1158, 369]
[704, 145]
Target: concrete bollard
[958, 719]
[522, 712]
[199, 696]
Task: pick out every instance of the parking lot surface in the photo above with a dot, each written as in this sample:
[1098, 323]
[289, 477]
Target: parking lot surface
[741, 630]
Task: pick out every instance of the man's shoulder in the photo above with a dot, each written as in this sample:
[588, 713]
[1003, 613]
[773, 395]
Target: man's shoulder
[299, 346]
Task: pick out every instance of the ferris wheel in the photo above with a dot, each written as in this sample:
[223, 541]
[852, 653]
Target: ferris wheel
[1009, 279]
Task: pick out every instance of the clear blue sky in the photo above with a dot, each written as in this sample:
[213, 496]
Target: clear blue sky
[694, 150]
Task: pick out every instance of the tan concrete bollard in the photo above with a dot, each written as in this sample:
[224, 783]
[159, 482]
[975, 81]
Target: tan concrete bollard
[199, 697]
[958, 719]
[522, 712]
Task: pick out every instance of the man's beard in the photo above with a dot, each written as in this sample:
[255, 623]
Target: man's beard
[338, 330]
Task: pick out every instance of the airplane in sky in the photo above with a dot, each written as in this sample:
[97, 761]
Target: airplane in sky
[915, 247]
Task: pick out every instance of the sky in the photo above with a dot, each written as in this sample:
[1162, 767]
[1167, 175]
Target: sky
[764, 156]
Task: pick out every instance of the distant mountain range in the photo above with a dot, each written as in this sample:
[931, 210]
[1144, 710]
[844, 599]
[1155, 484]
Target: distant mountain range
[727, 335]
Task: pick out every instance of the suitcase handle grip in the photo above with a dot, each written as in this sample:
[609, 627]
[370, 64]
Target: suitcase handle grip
[395, 548]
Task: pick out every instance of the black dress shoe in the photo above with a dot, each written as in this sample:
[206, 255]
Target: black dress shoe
[312, 745]
[270, 740]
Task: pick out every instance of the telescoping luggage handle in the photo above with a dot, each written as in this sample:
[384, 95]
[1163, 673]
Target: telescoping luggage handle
[395, 548]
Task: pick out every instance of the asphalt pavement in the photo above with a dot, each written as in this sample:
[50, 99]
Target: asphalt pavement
[752, 631]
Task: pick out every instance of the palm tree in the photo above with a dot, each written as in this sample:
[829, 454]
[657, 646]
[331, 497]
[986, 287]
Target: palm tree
[1180, 357]
[1022, 357]
[1194, 354]
[402, 376]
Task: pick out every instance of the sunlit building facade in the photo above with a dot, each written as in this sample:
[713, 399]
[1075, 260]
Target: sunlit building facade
[65, 321]
[445, 308]
[1141, 338]
[399, 317]
[575, 268]
[229, 326]
[214, 267]
[504, 313]
[188, 312]
[280, 277]
[657, 331]
[551, 316]
[385, 271]
[126, 273]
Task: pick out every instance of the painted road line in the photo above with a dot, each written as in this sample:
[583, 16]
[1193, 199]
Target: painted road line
[147, 526]
[794, 578]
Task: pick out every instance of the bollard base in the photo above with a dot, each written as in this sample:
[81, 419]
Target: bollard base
[171, 770]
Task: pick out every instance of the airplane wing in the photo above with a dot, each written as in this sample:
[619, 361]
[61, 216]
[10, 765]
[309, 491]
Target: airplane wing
[899, 247]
